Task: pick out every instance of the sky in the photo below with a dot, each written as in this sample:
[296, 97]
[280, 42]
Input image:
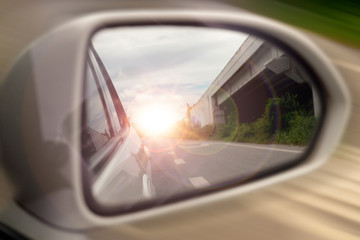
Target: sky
[168, 65]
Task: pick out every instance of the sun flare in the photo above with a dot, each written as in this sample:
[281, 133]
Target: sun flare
[155, 119]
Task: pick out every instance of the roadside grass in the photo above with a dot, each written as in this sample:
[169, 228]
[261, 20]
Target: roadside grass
[284, 121]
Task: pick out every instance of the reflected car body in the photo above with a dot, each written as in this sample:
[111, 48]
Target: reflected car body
[116, 159]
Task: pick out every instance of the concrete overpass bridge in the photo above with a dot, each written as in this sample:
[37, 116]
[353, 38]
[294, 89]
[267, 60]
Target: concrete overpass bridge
[258, 71]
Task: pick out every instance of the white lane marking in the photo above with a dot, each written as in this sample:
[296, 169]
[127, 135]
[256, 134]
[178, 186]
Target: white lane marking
[199, 182]
[171, 153]
[246, 146]
[266, 148]
[179, 161]
[195, 146]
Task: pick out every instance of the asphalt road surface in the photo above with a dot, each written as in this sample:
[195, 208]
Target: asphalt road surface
[180, 166]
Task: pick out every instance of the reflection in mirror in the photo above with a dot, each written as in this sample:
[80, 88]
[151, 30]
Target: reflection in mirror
[170, 110]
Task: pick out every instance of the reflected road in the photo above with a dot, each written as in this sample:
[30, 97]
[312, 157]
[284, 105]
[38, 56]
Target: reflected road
[190, 164]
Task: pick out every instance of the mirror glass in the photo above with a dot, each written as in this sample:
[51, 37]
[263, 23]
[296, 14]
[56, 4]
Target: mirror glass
[170, 111]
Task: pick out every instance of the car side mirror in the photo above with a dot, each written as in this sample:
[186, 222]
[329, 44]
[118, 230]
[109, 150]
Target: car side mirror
[126, 116]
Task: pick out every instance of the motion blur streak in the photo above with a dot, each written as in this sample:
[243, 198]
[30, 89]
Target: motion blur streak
[337, 19]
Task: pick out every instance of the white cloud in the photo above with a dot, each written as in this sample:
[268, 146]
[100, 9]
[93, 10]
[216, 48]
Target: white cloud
[169, 64]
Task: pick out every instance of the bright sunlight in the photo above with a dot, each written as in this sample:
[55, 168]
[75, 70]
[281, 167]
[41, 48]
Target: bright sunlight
[155, 119]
